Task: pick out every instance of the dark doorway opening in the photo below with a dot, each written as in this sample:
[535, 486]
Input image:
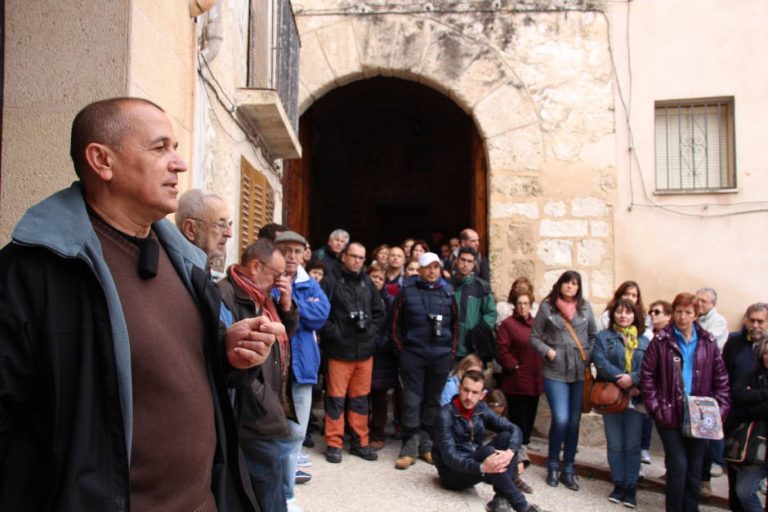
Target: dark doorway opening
[386, 159]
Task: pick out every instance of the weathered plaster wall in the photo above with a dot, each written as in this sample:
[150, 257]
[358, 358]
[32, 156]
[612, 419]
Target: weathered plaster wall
[723, 53]
[58, 58]
[538, 85]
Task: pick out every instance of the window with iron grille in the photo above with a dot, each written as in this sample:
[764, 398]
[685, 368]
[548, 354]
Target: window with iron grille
[257, 203]
[273, 56]
[695, 145]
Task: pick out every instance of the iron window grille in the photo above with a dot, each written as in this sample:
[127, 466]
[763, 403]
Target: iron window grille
[695, 149]
[273, 57]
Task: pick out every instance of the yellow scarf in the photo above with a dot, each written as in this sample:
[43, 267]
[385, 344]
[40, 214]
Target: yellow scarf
[630, 341]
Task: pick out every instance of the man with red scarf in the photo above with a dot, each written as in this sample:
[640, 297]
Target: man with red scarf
[263, 405]
[460, 456]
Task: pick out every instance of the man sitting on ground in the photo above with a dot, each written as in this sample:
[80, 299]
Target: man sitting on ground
[461, 459]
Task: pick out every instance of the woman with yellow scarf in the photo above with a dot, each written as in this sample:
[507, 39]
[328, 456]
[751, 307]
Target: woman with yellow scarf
[617, 354]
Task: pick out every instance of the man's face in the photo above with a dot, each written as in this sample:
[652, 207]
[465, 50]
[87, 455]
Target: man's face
[215, 228]
[470, 393]
[293, 254]
[337, 244]
[473, 240]
[396, 258]
[354, 258]
[267, 271]
[453, 243]
[145, 167]
[465, 265]
[757, 325]
[706, 302]
[430, 273]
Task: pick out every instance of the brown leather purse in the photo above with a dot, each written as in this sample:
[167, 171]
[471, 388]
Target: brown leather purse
[608, 398]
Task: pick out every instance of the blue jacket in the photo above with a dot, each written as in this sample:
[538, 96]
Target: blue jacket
[458, 439]
[412, 328]
[608, 356]
[314, 308]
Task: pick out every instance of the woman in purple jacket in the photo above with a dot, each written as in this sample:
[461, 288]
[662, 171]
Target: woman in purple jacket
[684, 344]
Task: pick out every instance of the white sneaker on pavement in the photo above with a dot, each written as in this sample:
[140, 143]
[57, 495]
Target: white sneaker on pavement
[716, 470]
[292, 507]
[304, 461]
[645, 456]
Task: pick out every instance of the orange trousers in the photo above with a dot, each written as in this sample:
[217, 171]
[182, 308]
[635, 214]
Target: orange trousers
[350, 381]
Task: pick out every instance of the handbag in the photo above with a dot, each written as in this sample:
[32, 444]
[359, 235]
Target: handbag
[608, 398]
[586, 404]
[701, 414]
[745, 446]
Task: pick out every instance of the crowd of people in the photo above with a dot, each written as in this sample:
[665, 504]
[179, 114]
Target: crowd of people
[132, 378]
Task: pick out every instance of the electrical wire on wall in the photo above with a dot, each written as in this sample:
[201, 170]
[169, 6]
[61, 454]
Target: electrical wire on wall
[212, 85]
[634, 161]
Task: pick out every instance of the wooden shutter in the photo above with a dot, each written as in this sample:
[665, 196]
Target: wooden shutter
[257, 203]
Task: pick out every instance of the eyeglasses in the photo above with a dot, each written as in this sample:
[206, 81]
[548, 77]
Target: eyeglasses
[273, 269]
[223, 225]
[655, 312]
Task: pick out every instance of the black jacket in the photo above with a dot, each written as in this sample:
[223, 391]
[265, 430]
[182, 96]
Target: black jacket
[346, 335]
[415, 313]
[262, 403]
[63, 435]
[458, 438]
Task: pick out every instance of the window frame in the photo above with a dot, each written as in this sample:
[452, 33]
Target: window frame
[689, 104]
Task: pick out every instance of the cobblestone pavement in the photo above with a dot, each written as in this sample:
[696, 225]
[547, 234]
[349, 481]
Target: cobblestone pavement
[358, 485]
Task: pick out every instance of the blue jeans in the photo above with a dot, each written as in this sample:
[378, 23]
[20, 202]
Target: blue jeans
[291, 447]
[266, 469]
[747, 485]
[565, 400]
[623, 433]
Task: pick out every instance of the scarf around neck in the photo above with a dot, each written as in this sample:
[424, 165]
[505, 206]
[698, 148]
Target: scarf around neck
[264, 302]
[629, 335]
[567, 308]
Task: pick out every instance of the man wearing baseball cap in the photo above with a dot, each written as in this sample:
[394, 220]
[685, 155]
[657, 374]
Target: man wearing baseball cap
[314, 308]
[424, 331]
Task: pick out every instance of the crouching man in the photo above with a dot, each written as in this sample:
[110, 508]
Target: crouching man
[460, 456]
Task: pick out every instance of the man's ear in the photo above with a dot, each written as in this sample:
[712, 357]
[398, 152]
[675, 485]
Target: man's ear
[189, 229]
[99, 158]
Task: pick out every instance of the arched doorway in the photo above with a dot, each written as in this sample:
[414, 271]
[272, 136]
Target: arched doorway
[386, 159]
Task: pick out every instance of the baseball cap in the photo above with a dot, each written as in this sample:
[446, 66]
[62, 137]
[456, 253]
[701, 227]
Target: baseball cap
[429, 258]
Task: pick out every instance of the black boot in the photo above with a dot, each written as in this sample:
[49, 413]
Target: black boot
[552, 477]
[569, 481]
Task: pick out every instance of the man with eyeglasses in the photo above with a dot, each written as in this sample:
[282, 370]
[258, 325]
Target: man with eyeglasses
[203, 219]
[348, 338]
[263, 403]
[468, 238]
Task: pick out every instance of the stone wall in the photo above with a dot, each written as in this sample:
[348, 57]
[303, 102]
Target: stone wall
[536, 78]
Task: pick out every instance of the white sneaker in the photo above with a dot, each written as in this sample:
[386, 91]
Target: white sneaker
[304, 461]
[645, 456]
[292, 507]
[716, 470]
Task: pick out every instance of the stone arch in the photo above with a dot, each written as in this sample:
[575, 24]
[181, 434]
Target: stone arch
[337, 50]
[343, 49]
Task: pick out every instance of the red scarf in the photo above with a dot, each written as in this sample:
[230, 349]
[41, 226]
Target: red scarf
[567, 308]
[467, 413]
[264, 302]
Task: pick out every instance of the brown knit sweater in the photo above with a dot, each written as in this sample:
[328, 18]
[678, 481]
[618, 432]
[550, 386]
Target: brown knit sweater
[174, 436]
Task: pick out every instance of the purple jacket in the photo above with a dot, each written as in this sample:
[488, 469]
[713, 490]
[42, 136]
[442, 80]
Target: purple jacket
[660, 379]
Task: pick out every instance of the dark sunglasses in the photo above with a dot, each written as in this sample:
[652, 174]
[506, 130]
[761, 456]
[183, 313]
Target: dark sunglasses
[655, 312]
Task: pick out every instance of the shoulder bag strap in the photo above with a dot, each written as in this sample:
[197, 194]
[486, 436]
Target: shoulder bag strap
[575, 338]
